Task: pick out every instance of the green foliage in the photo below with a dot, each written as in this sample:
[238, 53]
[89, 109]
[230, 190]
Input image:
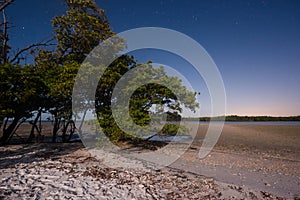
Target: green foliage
[77, 33]
[142, 100]
[21, 90]
[103, 97]
[48, 84]
[80, 30]
[173, 129]
[22, 93]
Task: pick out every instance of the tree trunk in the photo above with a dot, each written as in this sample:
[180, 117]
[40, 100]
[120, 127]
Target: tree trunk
[1, 121]
[55, 129]
[7, 132]
[65, 129]
[31, 136]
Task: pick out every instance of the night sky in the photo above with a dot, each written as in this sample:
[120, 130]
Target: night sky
[255, 44]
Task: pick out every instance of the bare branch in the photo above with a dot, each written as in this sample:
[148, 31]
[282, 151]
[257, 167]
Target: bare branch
[5, 39]
[28, 48]
[5, 4]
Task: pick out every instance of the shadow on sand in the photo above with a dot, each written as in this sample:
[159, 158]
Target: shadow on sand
[11, 155]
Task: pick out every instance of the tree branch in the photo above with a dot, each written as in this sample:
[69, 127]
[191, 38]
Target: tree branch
[5, 39]
[27, 48]
[5, 4]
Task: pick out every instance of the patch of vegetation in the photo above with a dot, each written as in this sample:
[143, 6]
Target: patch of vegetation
[244, 118]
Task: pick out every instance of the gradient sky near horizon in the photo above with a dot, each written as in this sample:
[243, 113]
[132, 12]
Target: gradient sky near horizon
[255, 44]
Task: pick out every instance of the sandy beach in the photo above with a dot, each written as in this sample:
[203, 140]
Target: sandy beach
[248, 162]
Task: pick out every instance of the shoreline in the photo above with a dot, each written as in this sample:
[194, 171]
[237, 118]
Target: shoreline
[48, 171]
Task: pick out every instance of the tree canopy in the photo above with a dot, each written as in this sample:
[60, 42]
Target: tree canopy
[46, 85]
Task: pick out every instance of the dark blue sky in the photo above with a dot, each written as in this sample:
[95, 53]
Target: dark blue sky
[255, 44]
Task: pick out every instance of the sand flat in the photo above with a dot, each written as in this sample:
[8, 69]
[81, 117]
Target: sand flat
[257, 156]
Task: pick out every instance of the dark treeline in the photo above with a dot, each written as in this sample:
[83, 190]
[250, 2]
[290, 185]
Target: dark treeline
[245, 118]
